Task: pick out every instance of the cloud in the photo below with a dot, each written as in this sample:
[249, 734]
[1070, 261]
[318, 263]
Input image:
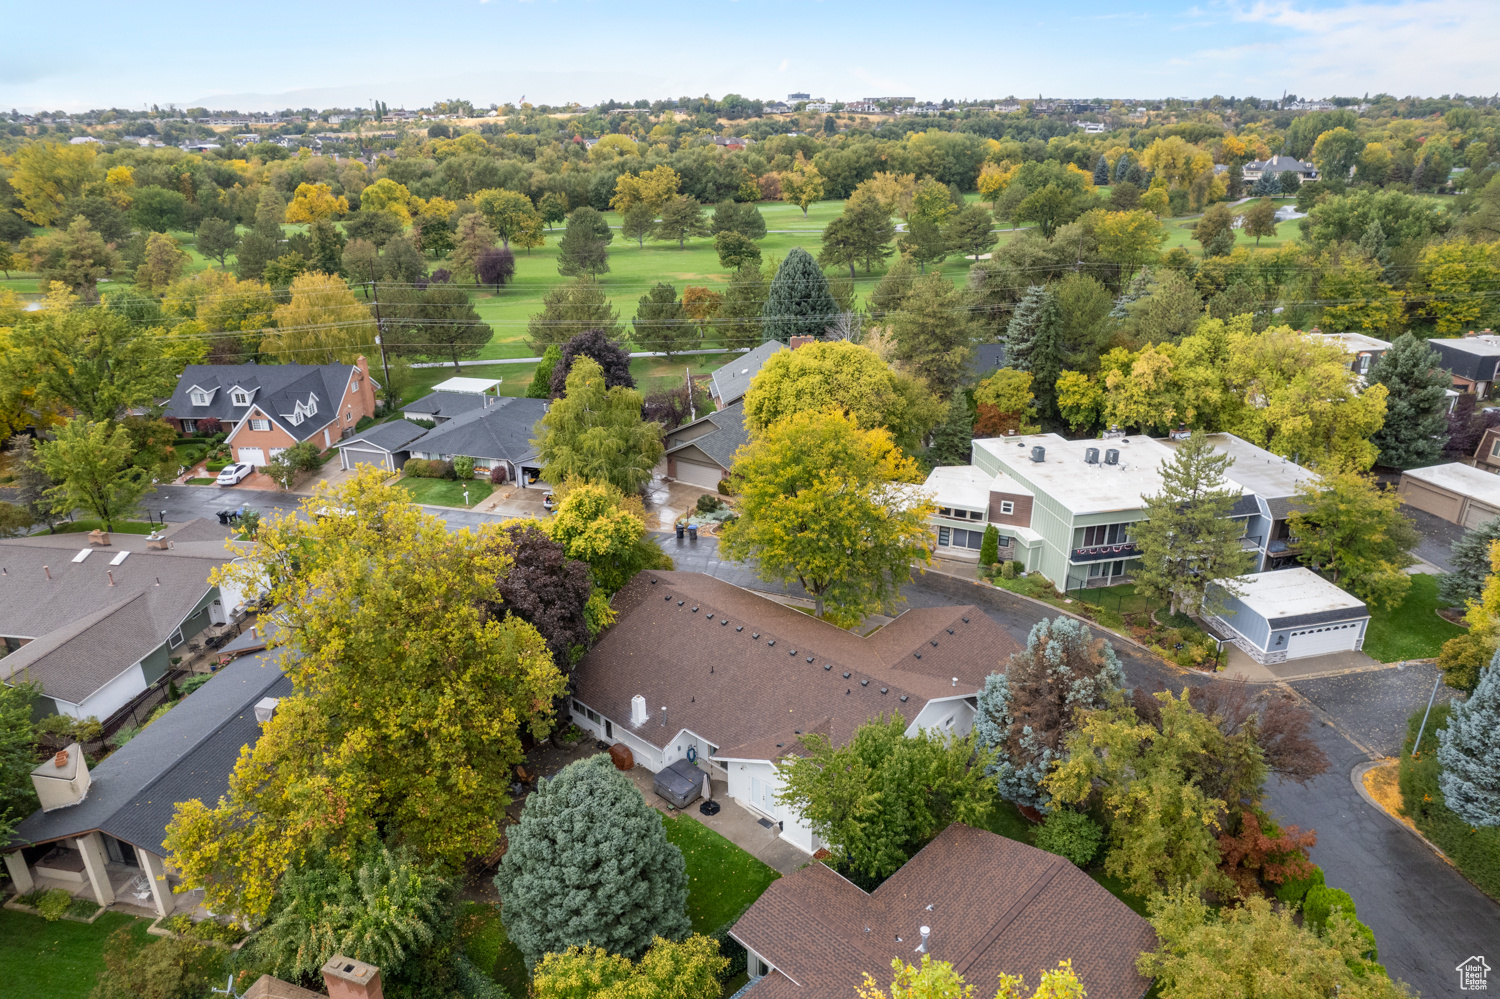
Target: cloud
[783, 67]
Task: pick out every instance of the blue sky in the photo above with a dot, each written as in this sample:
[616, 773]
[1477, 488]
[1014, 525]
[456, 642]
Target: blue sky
[275, 53]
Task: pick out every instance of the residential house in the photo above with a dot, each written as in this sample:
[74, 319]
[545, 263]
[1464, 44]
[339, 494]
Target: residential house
[452, 397]
[1091, 127]
[1363, 350]
[1278, 165]
[1271, 482]
[729, 383]
[267, 408]
[985, 360]
[862, 107]
[1487, 454]
[731, 143]
[97, 622]
[498, 435]
[1293, 614]
[100, 833]
[702, 452]
[985, 904]
[1473, 359]
[384, 445]
[699, 669]
[1459, 493]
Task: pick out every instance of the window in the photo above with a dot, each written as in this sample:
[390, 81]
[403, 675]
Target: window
[349, 416]
[261, 425]
[1364, 363]
[1495, 448]
[175, 639]
[241, 397]
[312, 406]
[189, 426]
[200, 398]
[957, 537]
[295, 419]
[609, 729]
[1106, 534]
[945, 511]
[976, 515]
[1007, 507]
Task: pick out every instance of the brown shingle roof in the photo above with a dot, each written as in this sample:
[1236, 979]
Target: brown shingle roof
[747, 685]
[996, 906]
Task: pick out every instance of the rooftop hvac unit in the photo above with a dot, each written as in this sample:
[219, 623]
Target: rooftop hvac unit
[1038, 453]
[1112, 456]
[1091, 455]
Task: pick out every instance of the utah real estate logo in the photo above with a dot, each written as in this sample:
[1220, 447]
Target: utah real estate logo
[1472, 974]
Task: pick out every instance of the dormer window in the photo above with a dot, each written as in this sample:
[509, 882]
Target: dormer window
[294, 419]
[312, 405]
[240, 397]
[201, 397]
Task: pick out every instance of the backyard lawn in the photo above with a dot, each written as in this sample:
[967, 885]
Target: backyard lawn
[1413, 630]
[121, 527]
[42, 960]
[445, 492]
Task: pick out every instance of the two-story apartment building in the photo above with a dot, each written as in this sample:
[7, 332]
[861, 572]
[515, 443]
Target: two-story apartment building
[1472, 359]
[1363, 350]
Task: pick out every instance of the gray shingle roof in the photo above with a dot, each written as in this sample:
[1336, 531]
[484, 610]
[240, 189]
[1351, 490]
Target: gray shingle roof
[986, 358]
[187, 753]
[85, 629]
[720, 443]
[732, 381]
[500, 431]
[446, 405]
[390, 437]
[275, 389]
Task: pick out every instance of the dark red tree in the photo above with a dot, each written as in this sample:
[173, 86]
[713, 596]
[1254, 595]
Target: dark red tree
[548, 590]
[607, 352]
[495, 266]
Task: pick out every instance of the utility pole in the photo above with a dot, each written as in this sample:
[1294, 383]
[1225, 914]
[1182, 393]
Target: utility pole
[692, 408]
[379, 330]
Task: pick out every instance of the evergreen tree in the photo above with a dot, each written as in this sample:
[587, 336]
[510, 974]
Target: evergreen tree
[1101, 172]
[1187, 540]
[569, 309]
[660, 323]
[731, 216]
[1122, 167]
[1416, 413]
[738, 322]
[638, 222]
[1470, 558]
[892, 290]
[1267, 186]
[1026, 713]
[798, 302]
[681, 217]
[989, 548]
[1136, 175]
[923, 241]
[932, 333]
[840, 244]
[589, 864]
[971, 231]
[1034, 343]
[584, 247]
[17, 754]
[952, 440]
[541, 380]
[1469, 752]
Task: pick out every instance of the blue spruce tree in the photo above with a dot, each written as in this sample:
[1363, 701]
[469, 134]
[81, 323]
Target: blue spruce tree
[1122, 167]
[1469, 753]
[1101, 171]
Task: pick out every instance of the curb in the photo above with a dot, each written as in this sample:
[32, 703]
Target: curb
[1357, 775]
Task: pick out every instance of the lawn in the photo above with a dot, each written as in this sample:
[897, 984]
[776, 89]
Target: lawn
[723, 880]
[445, 492]
[121, 527]
[1413, 630]
[42, 960]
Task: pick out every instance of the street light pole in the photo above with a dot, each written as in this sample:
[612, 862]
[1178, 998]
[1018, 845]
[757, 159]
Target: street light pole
[1430, 697]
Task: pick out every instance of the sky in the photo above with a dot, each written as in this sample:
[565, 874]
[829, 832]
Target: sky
[274, 54]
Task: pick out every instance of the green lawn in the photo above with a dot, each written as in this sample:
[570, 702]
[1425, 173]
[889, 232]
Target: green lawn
[490, 949]
[1413, 630]
[121, 527]
[42, 960]
[445, 492]
[723, 880]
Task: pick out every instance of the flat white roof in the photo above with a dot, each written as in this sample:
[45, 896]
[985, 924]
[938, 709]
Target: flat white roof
[1466, 480]
[1293, 592]
[960, 485]
[1268, 475]
[1082, 487]
[1356, 342]
[467, 386]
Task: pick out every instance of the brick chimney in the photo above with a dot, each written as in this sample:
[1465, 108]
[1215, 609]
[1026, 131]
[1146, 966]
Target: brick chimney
[346, 978]
[802, 341]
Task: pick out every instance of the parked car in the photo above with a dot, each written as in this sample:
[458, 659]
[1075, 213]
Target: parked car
[233, 474]
[549, 502]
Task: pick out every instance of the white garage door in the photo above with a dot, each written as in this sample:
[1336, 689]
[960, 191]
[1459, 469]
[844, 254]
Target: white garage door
[357, 456]
[252, 456]
[1322, 640]
[707, 476]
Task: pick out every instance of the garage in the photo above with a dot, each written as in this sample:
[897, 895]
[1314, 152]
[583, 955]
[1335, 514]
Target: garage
[698, 474]
[385, 446]
[1288, 614]
[352, 457]
[1458, 493]
[251, 456]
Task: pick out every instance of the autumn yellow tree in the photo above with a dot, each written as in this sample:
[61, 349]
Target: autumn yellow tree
[1129, 239]
[1456, 284]
[408, 699]
[938, 980]
[385, 195]
[312, 202]
[802, 185]
[322, 323]
[164, 263]
[46, 174]
[654, 187]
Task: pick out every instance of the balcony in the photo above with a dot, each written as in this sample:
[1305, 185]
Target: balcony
[1102, 553]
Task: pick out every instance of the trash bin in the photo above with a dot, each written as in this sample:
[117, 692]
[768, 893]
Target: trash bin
[223, 516]
[680, 531]
[681, 783]
[692, 532]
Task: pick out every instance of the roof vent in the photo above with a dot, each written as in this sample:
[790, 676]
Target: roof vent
[903, 698]
[1112, 456]
[63, 779]
[1038, 453]
[955, 681]
[754, 634]
[739, 627]
[922, 947]
[637, 710]
[1091, 455]
[846, 674]
[865, 682]
[809, 658]
[771, 642]
[828, 666]
[265, 709]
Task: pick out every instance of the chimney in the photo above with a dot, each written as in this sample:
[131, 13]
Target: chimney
[637, 710]
[48, 570]
[98, 537]
[63, 780]
[922, 947]
[346, 978]
[801, 341]
[111, 574]
[265, 709]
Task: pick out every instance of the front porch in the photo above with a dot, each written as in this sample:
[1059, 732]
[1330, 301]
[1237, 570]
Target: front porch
[113, 874]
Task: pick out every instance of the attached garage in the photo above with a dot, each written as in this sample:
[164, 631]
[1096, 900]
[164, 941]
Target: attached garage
[1290, 614]
[385, 446]
[1459, 493]
[702, 452]
[695, 468]
[251, 456]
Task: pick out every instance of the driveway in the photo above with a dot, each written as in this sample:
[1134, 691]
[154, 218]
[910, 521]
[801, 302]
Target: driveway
[1438, 536]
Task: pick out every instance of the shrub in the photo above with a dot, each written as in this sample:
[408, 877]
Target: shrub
[210, 427]
[216, 465]
[498, 475]
[83, 908]
[463, 466]
[1474, 849]
[364, 421]
[1008, 570]
[1322, 901]
[1293, 890]
[193, 682]
[54, 904]
[989, 548]
[170, 969]
[708, 503]
[1070, 834]
[415, 468]
[725, 489]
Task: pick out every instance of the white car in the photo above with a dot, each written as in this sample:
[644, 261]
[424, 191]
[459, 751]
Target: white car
[233, 474]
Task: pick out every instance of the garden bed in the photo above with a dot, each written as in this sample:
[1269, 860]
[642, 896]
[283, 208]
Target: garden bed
[206, 931]
[57, 904]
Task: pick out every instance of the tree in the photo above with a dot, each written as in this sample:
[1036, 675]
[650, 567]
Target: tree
[932, 335]
[474, 238]
[76, 257]
[637, 222]
[167, 969]
[1470, 561]
[952, 439]
[1003, 402]
[1470, 755]
[438, 321]
[314, 203]
[217, 239]
[1101, 171]
[1415, 425]
[553, 208]
[596, 433]
[840, 244]
[541, 379]
[737, 252]
[282, 271]
[681, 217]
[924, 242]
[598, 524]
[1216, 219]
[1033, 342]
[863, 232]
[584, 247]
[938, 980]
[1027, 713]
[164, 263]
[605, 351]
[94, 469]
[1336, 152]
[701, 306]
[287, 466]
[821, 503]
[660, 323]
[17, 754]
[802, 186]
[495, 267]
[510, 216]
[971, 231]
[432, 233]
[689, 969]
[799, 302]
[1129, 238]
[1354, 530]
[44, 175]
[849, 377]
[745, 219]
[546, 589]
[590, 818]
[322, 323]
[325, 246]
[570, 309]
[739, 321]
[386, 607]
[1187, 540]
[882, 796]
[378, 227]
[1167, 312]
[1259, 219]
[654, 187]
[156, 209]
